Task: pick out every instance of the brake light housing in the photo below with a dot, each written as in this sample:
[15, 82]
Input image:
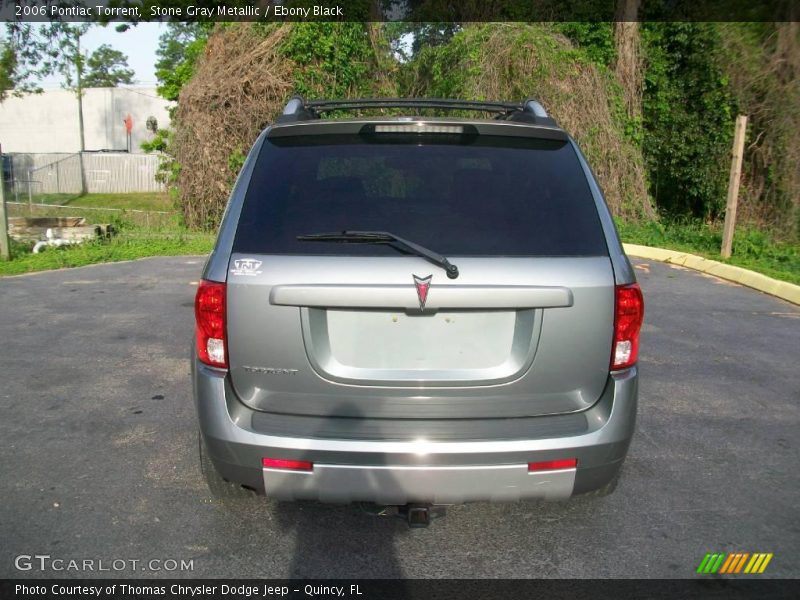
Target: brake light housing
[210, 325]
[628, 318]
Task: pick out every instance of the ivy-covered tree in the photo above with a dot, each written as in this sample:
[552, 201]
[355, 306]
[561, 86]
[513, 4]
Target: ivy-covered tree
[107, 67]
[688, 111]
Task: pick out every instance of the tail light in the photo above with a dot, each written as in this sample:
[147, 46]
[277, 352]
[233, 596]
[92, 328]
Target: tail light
[209, 313]
[628, 317]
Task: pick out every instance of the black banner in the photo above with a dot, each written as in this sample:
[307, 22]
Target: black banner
[134, 11]
[208, 589]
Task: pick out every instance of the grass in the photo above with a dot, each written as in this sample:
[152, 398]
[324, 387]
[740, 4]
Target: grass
[126, 246]
[140, 234]
[752, 248]
[158, 201]
[139, 201]
[41, 198]
[158, 211]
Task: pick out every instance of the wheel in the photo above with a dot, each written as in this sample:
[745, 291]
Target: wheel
[219, 487]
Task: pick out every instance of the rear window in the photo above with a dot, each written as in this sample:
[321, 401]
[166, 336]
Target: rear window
[475, 196]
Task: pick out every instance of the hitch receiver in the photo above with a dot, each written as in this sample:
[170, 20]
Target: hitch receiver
[417, 515]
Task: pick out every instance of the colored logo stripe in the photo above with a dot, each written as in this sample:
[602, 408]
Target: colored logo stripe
[734, 562]
[758, 563]
[710, 563]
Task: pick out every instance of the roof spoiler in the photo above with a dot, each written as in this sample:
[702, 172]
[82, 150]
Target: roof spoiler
[530, 111]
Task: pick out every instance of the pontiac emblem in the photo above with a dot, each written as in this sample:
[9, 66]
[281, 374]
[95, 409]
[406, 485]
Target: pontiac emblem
[423, 284]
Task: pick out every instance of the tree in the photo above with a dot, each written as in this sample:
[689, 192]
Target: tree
[46, 50]
[407, 39]
[67, 59]
[8, 68]
[107, 67]
[628, 65]
[22, 59]
[179, 47]
[687, 109]
[31, 54]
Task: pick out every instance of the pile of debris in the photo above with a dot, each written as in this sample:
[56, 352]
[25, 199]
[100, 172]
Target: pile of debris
[46, 232]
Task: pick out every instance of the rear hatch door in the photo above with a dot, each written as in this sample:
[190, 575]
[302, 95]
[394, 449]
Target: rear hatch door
[368, 330]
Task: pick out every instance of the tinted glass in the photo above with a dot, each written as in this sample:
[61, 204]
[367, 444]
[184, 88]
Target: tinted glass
[476, 196]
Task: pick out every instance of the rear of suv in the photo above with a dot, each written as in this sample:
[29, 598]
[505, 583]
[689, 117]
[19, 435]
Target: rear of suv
[415, 309]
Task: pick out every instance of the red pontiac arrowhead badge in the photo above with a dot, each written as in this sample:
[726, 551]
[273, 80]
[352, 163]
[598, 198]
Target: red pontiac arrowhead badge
[423, 285]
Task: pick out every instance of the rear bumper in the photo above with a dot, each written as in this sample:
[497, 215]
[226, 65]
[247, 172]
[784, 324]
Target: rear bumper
[403, 484]
[398, 472]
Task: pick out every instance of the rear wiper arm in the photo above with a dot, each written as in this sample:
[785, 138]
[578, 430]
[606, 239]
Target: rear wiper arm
[383, 237]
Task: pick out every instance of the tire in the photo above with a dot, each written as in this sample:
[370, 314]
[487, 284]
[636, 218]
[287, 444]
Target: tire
[220, 488]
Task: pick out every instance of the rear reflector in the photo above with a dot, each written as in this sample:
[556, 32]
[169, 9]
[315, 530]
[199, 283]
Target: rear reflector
[628, 317]
[209, 314]
[291, 465]
[553, 465]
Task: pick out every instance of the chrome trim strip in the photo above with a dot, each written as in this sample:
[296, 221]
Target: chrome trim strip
[405, 296]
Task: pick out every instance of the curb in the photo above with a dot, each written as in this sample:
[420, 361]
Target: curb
[781, 289]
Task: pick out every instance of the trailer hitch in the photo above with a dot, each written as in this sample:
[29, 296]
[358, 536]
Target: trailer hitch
[415, 515]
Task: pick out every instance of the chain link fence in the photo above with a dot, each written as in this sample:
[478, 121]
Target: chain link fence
[47, 179]
[45, 185]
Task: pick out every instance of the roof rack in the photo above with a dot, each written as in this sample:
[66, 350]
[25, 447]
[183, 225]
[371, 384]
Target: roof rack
[529, 111]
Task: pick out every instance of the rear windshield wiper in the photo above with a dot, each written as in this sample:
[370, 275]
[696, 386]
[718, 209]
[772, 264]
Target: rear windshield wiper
[383, 237]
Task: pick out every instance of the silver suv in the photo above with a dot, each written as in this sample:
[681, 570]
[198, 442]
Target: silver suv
[416, 310]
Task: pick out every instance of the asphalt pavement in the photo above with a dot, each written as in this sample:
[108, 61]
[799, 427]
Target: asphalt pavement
[98, 457]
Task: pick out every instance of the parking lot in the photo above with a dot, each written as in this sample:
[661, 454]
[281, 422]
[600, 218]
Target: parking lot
[98, 457]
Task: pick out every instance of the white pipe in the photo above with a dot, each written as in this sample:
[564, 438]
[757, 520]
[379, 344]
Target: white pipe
[52, 240]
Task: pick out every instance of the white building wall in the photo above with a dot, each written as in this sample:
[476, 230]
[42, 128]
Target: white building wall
[48, 122]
